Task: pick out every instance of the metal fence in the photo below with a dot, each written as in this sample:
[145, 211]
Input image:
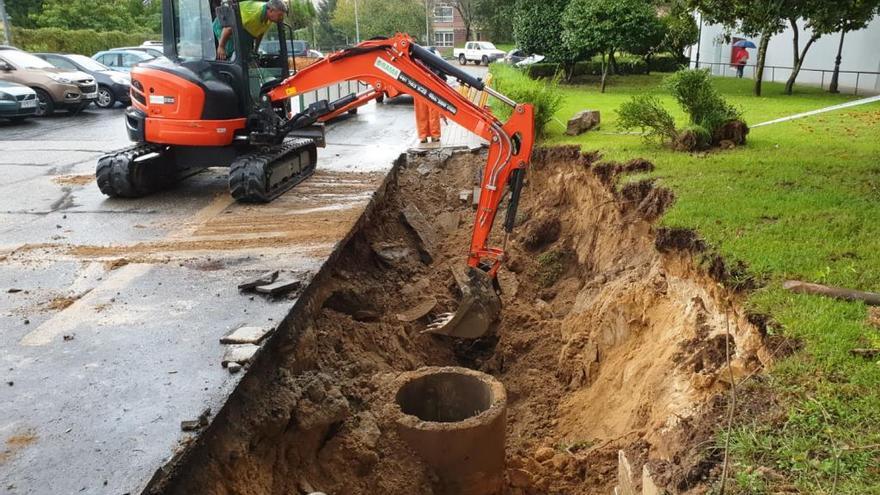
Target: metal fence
[329, 93]
[848, 80]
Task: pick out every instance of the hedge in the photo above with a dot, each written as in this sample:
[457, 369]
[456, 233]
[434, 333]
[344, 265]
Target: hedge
[626, 65]
[83, 41]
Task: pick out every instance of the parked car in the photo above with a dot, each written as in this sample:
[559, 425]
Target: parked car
[153, 44]
[122, 60]
[149, 50]
[297, 48]
[478, 52]
[113, 86]
[315, 54]
[17, 101]
[56, 88]
[531, 59]
[514, 56]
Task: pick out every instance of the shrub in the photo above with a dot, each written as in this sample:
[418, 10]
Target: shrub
[664, 62]
[693, 90]
[712, 119]
[644, 112]
[544, 94]
[83, 41]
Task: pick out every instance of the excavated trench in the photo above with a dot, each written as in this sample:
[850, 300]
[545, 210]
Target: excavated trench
[611, 338]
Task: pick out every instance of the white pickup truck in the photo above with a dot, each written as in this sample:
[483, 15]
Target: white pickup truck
[478, 52]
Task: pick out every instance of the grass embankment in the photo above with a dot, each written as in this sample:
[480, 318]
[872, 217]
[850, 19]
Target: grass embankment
[800, 201]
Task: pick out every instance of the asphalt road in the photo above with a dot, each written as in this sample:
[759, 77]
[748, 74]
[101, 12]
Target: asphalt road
[111, 311]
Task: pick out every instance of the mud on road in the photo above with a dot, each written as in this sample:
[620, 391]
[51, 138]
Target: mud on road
[605, 343]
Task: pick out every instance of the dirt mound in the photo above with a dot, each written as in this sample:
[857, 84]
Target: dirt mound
[605, 343]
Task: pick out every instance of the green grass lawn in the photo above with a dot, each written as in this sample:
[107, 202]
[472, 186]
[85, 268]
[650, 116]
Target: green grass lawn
[800, 201]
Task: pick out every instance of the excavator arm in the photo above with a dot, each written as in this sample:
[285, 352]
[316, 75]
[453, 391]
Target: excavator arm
[399, 66]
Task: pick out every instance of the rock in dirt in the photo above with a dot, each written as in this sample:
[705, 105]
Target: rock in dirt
[649, 487]
[582, 122]
[393, 254]
[625, 485]
[426, 233]
[245, 335]
[239, 353]
[323, 404]
[264, 279]
[447, 221]
[544, 454]
[520, 478]
[417, 288]
[418, 311]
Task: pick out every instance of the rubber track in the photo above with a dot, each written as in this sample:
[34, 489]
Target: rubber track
[115, 176]
[249, 173]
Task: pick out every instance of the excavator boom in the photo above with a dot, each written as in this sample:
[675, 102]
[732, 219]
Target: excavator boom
[398, 65]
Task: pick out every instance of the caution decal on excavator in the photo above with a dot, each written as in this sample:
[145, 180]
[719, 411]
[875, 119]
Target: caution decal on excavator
[401, 76]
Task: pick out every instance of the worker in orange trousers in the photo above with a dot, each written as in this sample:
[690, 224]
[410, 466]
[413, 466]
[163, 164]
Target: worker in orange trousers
[427, 121]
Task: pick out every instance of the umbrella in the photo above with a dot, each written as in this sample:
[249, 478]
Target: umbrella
[744, 44]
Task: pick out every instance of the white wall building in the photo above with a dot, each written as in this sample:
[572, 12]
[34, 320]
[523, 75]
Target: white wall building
[861, 52]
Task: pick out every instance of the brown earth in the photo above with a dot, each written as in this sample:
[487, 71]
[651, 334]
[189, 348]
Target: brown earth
[605, 343]
[15, 443]
[73, 180]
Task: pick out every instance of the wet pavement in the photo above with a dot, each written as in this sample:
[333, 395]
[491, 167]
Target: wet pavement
[111, 311]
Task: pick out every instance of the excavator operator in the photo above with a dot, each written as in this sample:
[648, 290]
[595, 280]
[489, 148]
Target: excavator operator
[256, 18]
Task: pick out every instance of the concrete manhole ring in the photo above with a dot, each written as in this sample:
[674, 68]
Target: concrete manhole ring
[455, 418]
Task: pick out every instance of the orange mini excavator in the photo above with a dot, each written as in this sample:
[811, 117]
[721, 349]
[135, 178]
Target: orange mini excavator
[190, 110]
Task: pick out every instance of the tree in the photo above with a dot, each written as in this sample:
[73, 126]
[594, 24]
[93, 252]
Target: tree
[812, 11]
[302, 14]
[537, 27]
[493, 17]
[681, 30]
[379, 17]
[843, 16]
[467, 10]
[606, 26]
[325, 32]
[764, 18]
[20, 12]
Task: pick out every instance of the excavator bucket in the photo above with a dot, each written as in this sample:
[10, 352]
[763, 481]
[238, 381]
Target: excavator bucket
[479, 308]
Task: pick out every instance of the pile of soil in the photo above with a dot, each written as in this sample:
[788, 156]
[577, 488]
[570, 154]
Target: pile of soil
[605, 343]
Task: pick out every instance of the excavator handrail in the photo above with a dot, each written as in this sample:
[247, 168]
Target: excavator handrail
[399, 66]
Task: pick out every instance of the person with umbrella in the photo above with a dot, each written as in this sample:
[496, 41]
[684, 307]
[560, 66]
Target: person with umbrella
[741, 56]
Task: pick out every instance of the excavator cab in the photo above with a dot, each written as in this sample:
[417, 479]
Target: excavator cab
[191, 110]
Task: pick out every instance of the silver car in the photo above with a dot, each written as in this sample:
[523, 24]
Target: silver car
[17, 101]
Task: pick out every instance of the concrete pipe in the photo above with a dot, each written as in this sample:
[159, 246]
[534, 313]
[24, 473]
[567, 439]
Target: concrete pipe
[454, 418]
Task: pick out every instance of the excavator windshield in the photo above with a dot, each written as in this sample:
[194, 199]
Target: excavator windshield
[193, 35]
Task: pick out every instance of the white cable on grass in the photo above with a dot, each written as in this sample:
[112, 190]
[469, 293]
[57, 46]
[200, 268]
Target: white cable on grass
[848, 104]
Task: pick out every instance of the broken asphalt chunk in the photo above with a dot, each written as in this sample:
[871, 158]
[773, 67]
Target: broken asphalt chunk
[190, 425]
[422, 228]
[245, 335]
[264, 279]
[281, 286]
[239, 353]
